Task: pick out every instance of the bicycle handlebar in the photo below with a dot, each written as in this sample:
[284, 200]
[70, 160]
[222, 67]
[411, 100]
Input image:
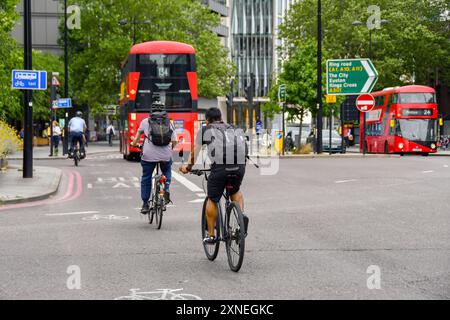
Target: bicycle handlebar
[199, 172]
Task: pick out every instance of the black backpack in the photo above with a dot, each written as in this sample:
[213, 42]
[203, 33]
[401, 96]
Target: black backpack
[160, 129]
[226, 144]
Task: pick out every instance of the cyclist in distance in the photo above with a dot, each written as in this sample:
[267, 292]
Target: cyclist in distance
[160, 139]
[224, 168]
[77, 127]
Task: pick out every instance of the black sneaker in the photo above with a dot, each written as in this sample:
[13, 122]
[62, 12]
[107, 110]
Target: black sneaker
[145, 208]
[245, 223]
[167, 198]
[209, 240]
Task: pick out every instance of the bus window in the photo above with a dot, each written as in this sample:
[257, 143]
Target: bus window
[402, 98]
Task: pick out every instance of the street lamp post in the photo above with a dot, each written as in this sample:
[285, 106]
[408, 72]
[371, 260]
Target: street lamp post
[357, 24]
[319, 78]
[27, 95]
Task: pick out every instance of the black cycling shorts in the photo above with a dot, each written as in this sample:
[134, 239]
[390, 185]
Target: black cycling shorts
[222, 176]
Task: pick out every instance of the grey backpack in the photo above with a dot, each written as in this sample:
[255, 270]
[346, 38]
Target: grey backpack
[226, 144]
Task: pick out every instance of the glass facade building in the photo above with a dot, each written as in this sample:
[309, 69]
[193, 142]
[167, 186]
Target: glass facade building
[252, 43]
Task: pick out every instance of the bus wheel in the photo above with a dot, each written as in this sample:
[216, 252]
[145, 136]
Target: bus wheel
[386, 149]
[402, 154]
[425, 154]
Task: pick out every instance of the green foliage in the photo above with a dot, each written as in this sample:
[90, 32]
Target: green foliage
[416, 41]
[99, 47]
[299, 74]
[11, 57]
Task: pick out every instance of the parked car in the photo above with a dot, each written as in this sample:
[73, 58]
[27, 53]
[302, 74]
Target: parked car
[336, 142]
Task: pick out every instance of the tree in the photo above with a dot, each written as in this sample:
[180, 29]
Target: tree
[11, 57]
[10, 103]
[299, 74]
[97, 50]
[403, 47]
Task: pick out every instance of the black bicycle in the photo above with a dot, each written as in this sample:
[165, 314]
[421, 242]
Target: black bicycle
[157, 203]
[76, 155]
[229, 227]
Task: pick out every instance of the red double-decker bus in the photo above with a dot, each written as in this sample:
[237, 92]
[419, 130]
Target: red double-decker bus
[404, 120]
[164, 71]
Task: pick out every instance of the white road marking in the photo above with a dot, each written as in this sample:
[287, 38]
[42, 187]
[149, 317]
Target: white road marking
[345, 181]
[99, 180]
[70, 213]
[197, 201]
[445, 165]
[121, 185]
[201, 195]
[137, 185]
[89, 185]
[188, 184]
[428, 171]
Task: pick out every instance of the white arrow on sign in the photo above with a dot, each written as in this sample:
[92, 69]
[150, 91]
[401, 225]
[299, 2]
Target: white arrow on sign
[372, 75]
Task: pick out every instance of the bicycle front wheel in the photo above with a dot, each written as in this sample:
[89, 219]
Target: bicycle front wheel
[159, 213]
[235, 236]
[211, 250]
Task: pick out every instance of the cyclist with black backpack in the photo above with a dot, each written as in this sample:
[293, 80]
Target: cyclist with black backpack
[160, 139]
[228, 151]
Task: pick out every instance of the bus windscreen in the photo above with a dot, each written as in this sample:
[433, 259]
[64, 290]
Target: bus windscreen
[417, 129]
[164, 77]
[403, 98]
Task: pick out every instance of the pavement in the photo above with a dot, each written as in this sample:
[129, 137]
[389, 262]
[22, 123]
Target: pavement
[15, 189]
[45, 181]
[318, 230]
[43, 152]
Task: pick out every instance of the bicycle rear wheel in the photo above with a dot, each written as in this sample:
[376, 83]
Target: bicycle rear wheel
[159, 212]
[157, 207]
[211, 250]
[235, 236]
[76, 158]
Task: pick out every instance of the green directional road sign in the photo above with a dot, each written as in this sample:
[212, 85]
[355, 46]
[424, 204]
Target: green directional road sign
[350, 76]
[282, 93]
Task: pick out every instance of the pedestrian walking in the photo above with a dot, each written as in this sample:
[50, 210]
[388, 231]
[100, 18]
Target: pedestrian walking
[110, 132]
[56, 137]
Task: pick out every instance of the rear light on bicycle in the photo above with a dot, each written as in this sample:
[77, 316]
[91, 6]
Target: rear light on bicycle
[162, 179]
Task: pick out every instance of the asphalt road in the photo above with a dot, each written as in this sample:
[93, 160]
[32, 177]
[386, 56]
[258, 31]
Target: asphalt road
[315, 229]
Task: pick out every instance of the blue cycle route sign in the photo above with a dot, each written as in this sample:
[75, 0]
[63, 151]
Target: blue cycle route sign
[63, 103]
[29, 80]
[258, 127]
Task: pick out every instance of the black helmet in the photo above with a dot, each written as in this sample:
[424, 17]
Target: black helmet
[79, 114]
[157, 106]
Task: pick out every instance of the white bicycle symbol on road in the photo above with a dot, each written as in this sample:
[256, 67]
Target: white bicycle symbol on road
[104, 217]
[159, 294]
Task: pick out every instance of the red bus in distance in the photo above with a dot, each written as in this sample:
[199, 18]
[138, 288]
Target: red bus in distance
[164, 71]
[404, 120]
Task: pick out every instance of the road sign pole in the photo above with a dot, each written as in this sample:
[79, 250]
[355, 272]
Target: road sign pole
[342, 127]
[284, 127]
[27, 96]
[66, 79]
[364, 134]
[331, 123]
[52, 111]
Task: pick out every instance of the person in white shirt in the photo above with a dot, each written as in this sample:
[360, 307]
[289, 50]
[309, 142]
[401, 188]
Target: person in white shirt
[110, 132]
[56, 136]
[77, 127]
